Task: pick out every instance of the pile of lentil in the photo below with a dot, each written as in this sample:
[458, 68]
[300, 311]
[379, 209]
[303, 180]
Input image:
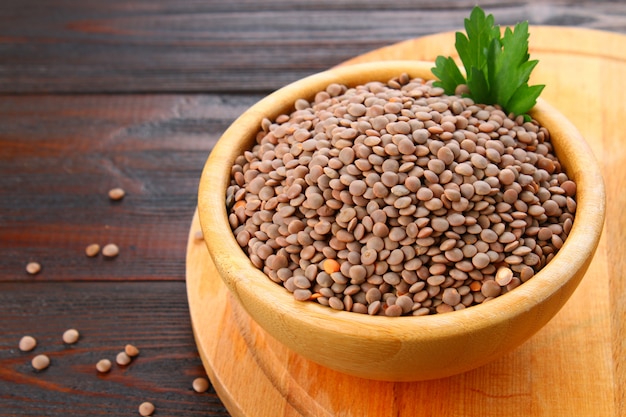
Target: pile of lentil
[396, 199]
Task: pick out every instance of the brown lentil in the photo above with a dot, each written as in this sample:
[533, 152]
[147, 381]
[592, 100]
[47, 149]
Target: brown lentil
[393, 311]
[504, 276]
[110, 250]
[70, 336]
[490, 289]
[27, 343]
[146, 409]
[103, 366]
[33, 268]
[116, 194]
[200, 384]
[92, 250]
[123, 359]
[451, 296]
[382, 201]
[131, 350]
[301, 294]
[40, 362]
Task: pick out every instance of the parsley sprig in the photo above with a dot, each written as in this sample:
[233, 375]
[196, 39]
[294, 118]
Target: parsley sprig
[497, 66]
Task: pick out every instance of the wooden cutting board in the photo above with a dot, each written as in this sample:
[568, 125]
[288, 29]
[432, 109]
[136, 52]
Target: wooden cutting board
[575, 366]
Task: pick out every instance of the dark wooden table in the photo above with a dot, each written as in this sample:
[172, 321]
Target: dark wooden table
[133, 94]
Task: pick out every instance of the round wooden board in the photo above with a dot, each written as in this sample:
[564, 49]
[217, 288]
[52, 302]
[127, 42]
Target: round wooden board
[572, 367]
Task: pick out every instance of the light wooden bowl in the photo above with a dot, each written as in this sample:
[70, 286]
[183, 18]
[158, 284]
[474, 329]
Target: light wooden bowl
[399, 348]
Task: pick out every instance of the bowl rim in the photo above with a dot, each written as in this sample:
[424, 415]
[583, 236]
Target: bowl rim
[246, 281]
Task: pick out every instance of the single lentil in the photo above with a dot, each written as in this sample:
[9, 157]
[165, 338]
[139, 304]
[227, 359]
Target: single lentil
[33, 268]
[123, 359]
[131, 350]
[70, 336]
[451, 296]
[110, 250]
[103, 366]
[331, 266]
[385, 201]
[504, 276]
[92, 250]
[200, 384]
[40, 362]
[27, 343]
[146, 409]
[116, 194]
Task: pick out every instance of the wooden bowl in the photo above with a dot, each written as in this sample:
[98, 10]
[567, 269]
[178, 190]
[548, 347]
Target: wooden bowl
[398, 348]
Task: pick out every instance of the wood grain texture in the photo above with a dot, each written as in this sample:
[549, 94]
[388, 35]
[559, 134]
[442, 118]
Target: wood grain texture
[243, 45]
[60, 156]
[108, 316]
[572, 367]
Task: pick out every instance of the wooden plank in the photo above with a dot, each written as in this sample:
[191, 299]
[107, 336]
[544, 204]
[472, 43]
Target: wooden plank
[108, 316]
[59, 156]
[245, 46]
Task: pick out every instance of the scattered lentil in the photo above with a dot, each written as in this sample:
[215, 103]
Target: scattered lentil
[200, 384]
[131, 350]
[33, 268]
[27, 343]
[110, 250]
[92, 250]
[385, 201]
[116, 194]
[123, 359]
[70, 336]
[146, 409]
[103, 366]
[40, 362]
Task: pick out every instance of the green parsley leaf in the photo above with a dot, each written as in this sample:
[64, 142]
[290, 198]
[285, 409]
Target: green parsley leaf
[449, 74]
[497, 67]
[480, 31]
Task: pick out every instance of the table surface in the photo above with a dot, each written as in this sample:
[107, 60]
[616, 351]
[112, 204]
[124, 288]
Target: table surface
[134, 94]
